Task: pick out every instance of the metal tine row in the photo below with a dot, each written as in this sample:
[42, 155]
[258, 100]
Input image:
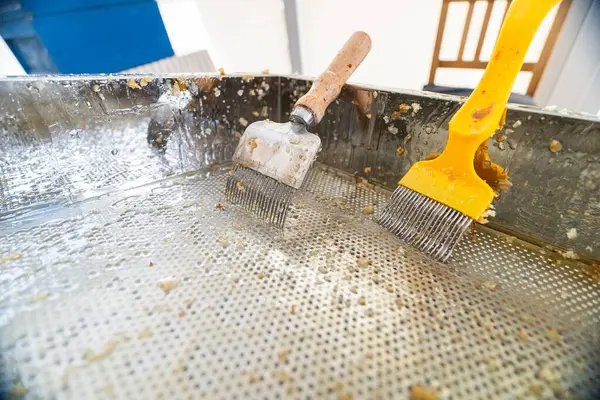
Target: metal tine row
[420, 210]
[259, 194]
[391, 211]
[424, 223]
[229, 186]
[284, 196]
[438, 239]
[447, 220]
[409, 209]
[422, 227]
[451, 240]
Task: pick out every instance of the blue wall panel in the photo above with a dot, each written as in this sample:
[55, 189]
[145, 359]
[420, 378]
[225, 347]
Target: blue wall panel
[44, 7]
[19, 34]
[100, 35]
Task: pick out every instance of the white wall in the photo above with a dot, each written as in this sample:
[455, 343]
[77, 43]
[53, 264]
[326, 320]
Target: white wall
[403, 34]
[249, 36]
[576, 84]
[246, 36]
[184, 26]
[9, 65]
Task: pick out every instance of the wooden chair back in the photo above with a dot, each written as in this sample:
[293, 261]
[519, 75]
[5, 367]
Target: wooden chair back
[536, 68]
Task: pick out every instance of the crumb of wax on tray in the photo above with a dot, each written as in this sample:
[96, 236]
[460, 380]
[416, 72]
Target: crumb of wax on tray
[569, 255]
[145, 81]
[536, 389]
[252, 377]
[363, 262]
[523, 334]
[368, 210]
[11, 257]
[419, 392]
[283, 356]
[144, 333]
[555, 146]
[38, 298]
[553, 334]
[18, 390]
[341, 393]
[490, 285]
[133, 84]
[91, 356]
[167, 284]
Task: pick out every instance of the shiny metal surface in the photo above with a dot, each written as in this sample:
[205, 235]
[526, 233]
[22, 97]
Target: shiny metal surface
[302, 116]
[266, 197]
[552, 192]
[125, 273]
[424, 223]
[159, 292]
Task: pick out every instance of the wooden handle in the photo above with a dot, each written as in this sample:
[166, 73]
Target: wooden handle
[329, 84]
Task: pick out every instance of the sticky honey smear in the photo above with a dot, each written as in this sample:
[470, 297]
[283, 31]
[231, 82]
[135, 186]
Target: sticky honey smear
[492, 173]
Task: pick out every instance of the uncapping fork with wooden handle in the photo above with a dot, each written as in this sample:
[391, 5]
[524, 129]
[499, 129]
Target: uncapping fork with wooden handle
[272, 159]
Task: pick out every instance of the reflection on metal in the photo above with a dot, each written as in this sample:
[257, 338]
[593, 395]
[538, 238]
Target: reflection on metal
[126, 273]
[552, 192]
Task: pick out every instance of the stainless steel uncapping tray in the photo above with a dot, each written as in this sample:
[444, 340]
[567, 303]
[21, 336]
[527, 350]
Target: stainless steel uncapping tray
[124, 273]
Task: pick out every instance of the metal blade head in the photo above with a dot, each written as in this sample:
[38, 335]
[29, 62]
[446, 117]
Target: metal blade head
[284, 152]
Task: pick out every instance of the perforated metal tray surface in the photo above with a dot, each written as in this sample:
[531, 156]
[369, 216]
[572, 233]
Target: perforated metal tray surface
[167, 291]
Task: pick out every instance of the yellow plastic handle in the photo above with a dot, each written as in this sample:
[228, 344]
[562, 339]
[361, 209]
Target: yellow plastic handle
[483, 111]
[451, 178]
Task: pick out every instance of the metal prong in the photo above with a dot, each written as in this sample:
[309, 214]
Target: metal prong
[424, 223]
[259, 194]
